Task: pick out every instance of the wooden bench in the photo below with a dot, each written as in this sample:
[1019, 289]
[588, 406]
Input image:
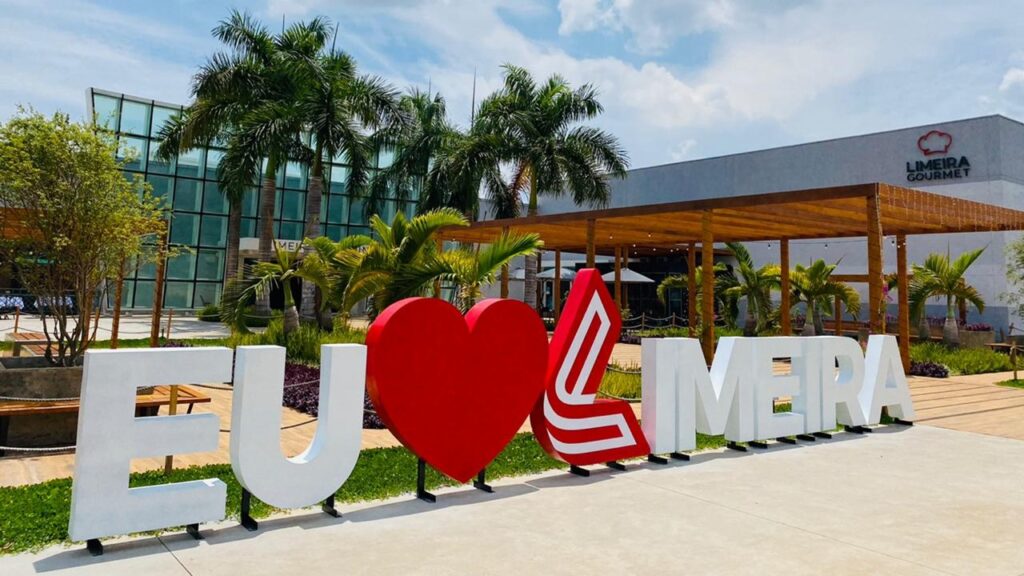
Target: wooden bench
[145, 405]
[35, 341]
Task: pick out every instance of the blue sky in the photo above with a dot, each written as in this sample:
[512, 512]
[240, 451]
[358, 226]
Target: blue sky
[680, 79]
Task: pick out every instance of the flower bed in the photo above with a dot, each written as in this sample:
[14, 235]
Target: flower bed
[306, 398]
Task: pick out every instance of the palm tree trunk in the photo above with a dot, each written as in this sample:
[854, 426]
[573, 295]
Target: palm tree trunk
[232, 269]
[809, 324]
[291, 319]
[750, 324]
[268, 197]
[819, 323]
[314, 198]
[950, 331]
[530, 284]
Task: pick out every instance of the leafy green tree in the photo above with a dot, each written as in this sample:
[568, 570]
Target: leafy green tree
[756, 285]
[1015, 276]
[70, 219]
[550, 153]
[938, 277]
[726, 301]
[815, 286]
[264, 277]
[470, 269]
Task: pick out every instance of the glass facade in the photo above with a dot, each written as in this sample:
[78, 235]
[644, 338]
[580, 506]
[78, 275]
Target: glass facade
[199, 220]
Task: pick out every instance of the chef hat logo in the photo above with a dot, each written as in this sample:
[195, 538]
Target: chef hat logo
[934, 142]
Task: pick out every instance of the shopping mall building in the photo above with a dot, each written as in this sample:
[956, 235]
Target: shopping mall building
[978, 159]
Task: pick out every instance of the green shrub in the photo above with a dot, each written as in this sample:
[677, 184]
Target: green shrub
[621, 384]
[961, 361]
[209, 313]
[303, 345]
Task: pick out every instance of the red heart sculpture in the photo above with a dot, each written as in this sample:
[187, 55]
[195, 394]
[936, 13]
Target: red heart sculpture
[455, 390]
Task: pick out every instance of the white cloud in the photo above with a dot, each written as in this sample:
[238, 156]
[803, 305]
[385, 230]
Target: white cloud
[683, 150]
[1013, 77]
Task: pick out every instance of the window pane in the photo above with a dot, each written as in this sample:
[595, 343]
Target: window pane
[106, 110]
[290, 231]
[385, 158]
[181, 267]
[293, 205]
[214, 200]
[191, 163]
[335, 233]
[211, 265]
[357, 212]
[206, 293]
[337, 209]
[187, 194]
[157, 165]
[185, 229]
[251, 202]
[354, 230]
[410, 210]
[178, 295]
[160, 116]
[248, 228]
[127, 290]
[295, 177]
[388, 210]
[339, 179]
[213, 158]
[144, 294]
[215, 231]
[146, 271]
[277, 202]
[134, 148]
[162, 187]
[135, 118]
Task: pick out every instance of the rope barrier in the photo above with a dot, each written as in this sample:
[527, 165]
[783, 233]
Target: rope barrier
[17, 399]
[621, 371]
[39, 450]
[614, 397]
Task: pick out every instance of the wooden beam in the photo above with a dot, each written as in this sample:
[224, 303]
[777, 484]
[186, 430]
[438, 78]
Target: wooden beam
[903, 299]
[691, 288]
[876, 309]
[785, 322]
[591, 228]
[850, 278]
[708, 286]
[558, 284]
[618, 276]
[437, 282]
[540, 283]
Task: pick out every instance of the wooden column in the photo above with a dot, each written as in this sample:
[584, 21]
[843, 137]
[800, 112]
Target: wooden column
[504, 272]
[691, 288]
[903, 299]
[439, 246]
[158, 288]
[540, 283]
[591, 254]
[618, 276]
[785, 322]
[876, 309]
[558, 284]
[708, 286]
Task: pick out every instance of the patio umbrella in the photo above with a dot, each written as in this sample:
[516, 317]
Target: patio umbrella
[517, 274]
[627, 276]
[564, 273]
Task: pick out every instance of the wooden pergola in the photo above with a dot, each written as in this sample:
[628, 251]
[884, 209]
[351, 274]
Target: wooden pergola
[864, 210]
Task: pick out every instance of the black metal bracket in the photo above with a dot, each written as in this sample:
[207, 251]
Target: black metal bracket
[857, 429]
[481, 482]
[328, 507]
[824, 435]
[734, 446]
[758, 444]
[94, 546]
[902, 422]
[193, 531]
[786, 440]
[421, 482]
[679, 456]
[248, 522]
[574, 469]
[616, 465]
[5, 426]
[655, 459]
[806, 437]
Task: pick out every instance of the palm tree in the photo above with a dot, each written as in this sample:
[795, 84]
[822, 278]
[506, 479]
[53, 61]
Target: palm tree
[756, 285]
[337, 106]
[392, 267]
[814, 286]
[470, 269]
[245, 97]
[725, 301]
[263, 277]
[325, 266]
[548, 151]
[938, 277]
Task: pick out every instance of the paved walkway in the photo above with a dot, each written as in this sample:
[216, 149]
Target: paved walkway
[915, 501]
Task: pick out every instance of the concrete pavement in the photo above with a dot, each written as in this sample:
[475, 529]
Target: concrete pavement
[909, 501]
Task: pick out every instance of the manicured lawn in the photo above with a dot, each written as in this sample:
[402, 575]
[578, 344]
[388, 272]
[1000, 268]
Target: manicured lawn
[1012, 383]
[962, 361]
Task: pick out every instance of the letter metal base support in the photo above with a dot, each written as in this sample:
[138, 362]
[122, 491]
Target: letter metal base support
[421, 482]
[806, 437]
[655, 459]
[193, 531]
[481, 482]
[902, 422]
[328, 507]
[857, 429]
[823, 435]
[94, 546]
[574, 469]
[248, 522]
[734, 446]
[786, 440]
[616, 465]
[758, 444]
